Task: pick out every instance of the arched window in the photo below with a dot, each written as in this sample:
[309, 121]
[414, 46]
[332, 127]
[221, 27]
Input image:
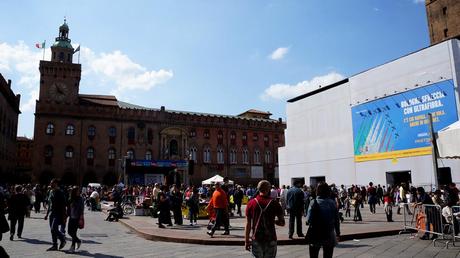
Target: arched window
[244, 138]
[192, 133]
[131, 135]
[233, 137]
[206, 155]
[90, 156]
[266, 140]
[255, 137]
[268, 157]
[69, 152]
[69, 129]
[91, 132]
[193, 152]
[173, 148]
[130, 154]
[220, 156]
[50, 129]
[256, 157]
[112, 153]
[220, 137]
[206, 134]
[148, 155]
[233, 156]
[245, 154]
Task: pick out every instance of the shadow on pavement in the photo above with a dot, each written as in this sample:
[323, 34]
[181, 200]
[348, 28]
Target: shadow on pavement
[350, 245]
[88, 254]
[35, 241]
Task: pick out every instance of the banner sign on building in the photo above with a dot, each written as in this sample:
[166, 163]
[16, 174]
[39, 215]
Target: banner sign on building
[397, 126]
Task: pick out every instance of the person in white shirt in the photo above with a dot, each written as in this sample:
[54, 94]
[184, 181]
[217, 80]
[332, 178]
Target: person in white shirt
[273, 193]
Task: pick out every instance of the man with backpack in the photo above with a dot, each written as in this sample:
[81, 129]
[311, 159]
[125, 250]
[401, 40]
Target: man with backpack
[260, 220]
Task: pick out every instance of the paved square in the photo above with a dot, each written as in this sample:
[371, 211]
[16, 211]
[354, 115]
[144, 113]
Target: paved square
[111, 239]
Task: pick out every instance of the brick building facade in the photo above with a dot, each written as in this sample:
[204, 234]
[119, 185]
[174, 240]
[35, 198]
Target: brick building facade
[443, 19]
[86, 138]
[9, 112]
[24, 159]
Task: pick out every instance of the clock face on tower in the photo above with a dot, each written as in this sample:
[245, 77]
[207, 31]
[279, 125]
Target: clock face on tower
[59, 91]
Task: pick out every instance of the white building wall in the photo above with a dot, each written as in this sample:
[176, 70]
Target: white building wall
[319, 135]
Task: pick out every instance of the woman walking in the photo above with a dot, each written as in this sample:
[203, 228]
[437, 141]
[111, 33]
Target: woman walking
[357, 201]
[193, 206]
[323, 219]
[75, 213]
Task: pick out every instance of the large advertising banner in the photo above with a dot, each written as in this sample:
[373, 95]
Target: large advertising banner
[397, 126]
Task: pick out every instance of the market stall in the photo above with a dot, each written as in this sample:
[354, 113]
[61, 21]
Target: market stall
[449, 141]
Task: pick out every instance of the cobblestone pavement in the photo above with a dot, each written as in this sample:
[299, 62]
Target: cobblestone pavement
[111, 239]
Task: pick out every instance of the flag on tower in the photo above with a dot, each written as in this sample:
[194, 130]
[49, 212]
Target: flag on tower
[40, 45]
[77, 49]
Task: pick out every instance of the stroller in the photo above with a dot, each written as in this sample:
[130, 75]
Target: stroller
[115, 213]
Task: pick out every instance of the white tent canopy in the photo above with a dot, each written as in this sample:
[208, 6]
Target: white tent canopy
[215, 179]
[449, 141]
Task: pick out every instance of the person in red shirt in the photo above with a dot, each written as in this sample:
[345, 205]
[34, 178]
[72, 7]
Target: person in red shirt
[220, 205]
[261, 212]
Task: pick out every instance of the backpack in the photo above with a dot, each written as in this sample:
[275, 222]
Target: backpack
[261, 229]
[317, 228]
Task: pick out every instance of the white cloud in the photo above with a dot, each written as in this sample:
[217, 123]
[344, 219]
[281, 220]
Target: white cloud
[279, 53]
[21, 63]
[282, 91]
[119, 69]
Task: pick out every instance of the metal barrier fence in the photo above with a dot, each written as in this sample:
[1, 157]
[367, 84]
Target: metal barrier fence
[429, 219]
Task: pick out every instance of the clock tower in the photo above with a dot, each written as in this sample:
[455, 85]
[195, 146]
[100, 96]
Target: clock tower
[60, 77]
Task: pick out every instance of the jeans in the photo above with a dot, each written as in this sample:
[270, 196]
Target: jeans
[238, 208]
[295, 217]
[192, 214]
[177, 211]
[327, 251]
[72, 229]
[221, 218]
[264, 249]
[20, 221]
[357, 214]
[55, 222]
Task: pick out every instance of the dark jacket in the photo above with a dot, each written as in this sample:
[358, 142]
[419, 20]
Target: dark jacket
[328, 219]
[295, 198]
[18, 205]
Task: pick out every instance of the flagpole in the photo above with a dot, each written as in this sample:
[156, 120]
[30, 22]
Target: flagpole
[44, 47]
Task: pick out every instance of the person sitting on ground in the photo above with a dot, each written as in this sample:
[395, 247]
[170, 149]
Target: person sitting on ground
[115, 213]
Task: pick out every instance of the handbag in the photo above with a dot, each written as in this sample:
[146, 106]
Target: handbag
[81, 222]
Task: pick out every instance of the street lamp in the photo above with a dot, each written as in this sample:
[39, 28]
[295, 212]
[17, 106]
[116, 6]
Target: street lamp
[123, 165]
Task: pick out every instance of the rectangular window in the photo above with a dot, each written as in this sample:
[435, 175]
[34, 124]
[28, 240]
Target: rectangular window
[446, 33]
[444, 10]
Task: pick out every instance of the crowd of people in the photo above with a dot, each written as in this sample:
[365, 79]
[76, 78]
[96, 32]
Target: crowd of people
[322, 207]
[63, 207]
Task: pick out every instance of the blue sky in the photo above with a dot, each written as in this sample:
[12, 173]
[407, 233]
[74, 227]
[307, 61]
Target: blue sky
[208, 56]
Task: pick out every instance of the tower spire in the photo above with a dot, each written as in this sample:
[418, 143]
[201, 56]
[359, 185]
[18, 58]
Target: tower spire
[62, 50]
